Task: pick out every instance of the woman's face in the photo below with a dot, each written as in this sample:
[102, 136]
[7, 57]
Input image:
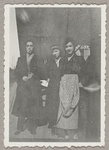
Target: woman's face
[69, 48]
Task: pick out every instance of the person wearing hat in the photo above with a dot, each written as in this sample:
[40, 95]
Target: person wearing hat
[54, 73]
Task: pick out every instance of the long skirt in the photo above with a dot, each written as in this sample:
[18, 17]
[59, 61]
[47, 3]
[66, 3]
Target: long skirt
[69, 98]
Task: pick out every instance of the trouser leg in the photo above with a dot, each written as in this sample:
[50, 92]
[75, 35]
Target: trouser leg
[53, 113]
[20, 123]
[32, 126]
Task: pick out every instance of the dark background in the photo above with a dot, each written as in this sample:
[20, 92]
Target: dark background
[50, 26]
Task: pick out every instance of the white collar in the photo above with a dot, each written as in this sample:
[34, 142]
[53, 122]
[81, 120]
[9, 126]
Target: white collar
[29, 58]
[57, 60]
[69, 58]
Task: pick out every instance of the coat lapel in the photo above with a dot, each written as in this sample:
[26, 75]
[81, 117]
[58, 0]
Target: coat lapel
[24, 62]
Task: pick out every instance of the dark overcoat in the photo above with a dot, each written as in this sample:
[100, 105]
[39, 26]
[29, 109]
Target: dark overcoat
[54, 73]
[28, 94]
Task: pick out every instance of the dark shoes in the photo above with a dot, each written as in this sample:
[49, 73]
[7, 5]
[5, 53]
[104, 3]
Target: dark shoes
[33, 132]
[17, 132]
[50, 126]
[22, 129]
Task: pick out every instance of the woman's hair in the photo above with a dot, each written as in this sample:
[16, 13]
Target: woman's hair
[70, 39]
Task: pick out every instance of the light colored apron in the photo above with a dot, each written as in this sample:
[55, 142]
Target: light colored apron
[69, 96]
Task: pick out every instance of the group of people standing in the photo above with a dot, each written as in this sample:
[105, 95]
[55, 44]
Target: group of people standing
[63, 75]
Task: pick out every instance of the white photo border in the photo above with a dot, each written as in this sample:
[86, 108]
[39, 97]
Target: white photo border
[6, 78]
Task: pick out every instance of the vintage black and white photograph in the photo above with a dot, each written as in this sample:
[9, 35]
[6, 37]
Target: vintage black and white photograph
[54, 75]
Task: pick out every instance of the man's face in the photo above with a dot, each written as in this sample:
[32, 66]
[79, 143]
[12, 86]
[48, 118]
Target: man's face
[29, 47]
[69, 48]
[56, 53]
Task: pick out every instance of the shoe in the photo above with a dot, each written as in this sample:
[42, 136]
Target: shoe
[50, 126]
[53, 131]
[25, 126]
[67, 137]
[75, 137]
[17, 132]
[33, 132]
[61, 138]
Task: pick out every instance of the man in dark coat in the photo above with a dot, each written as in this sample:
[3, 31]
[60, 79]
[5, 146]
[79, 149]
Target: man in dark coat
[28, 94]
[54, 73]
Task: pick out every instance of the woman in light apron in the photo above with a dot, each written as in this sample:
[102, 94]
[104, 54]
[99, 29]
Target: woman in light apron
[67, 121]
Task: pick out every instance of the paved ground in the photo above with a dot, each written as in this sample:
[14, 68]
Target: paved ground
[42, 133]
